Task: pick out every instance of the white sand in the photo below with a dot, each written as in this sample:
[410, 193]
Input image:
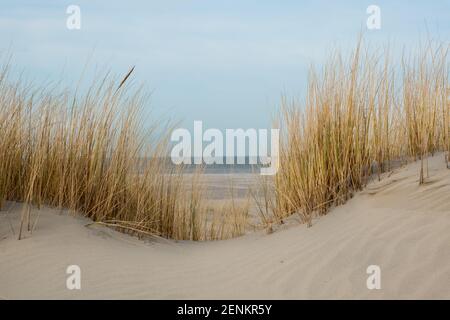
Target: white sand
[396, 224]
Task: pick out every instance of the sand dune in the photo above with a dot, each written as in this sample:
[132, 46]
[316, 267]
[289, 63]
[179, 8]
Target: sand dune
[394, 223]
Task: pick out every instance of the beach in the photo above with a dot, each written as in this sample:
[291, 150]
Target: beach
[394, 223]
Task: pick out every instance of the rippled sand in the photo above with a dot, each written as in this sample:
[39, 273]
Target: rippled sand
[394, 223]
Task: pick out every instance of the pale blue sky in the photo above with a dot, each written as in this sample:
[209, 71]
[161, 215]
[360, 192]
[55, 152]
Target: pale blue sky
[224, 62]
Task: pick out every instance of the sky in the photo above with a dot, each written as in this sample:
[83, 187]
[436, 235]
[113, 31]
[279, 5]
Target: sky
[226, 63]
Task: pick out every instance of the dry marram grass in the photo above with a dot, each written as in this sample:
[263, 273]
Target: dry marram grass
[356, 120]
[93, 154]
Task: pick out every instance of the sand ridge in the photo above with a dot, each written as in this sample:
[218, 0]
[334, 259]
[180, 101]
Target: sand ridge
[394, 223]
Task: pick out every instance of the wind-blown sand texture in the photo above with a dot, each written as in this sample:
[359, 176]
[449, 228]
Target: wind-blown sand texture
[394, 223]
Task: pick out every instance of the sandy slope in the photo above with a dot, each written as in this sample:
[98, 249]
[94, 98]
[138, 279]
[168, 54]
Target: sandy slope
[403, 228]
